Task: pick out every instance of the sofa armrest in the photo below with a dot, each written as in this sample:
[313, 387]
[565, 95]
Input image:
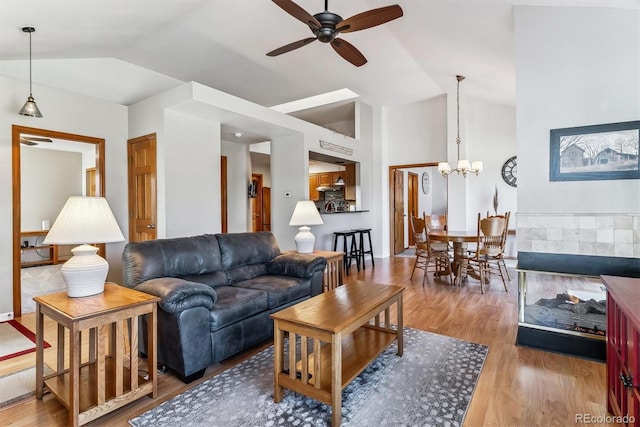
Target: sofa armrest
[296, 265]
[178, 295]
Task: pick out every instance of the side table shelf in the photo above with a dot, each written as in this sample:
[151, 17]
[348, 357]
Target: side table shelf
[108, 378]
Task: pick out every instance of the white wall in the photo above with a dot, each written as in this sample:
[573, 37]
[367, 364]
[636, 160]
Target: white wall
[192, 168]
[574, 67]
[48, 179]
[64, 112]
[238, 177]
[490, 137]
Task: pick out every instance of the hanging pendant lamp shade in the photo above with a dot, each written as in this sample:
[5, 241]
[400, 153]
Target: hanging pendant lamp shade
[30, 108]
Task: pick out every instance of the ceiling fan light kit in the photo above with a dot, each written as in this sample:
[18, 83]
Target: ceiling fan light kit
[326, 26]
[463, 166]
[30, 108]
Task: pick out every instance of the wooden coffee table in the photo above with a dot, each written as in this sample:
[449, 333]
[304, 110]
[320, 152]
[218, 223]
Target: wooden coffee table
[332, 338]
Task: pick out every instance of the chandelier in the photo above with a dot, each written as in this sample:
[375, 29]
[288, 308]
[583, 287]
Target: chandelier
[463, 166]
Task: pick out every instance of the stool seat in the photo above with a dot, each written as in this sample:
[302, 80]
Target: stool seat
[350, 250]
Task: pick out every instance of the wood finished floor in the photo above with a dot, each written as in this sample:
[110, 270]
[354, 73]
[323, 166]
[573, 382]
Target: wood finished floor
[518, 386]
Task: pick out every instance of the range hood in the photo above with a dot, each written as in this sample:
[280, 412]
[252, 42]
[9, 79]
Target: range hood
[330, 188]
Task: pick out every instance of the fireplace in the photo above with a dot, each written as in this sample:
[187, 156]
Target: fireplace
[562, 302]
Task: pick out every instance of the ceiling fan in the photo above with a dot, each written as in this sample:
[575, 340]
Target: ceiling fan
[326, 26]
[33, 140]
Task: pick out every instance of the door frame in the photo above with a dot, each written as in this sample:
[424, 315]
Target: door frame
[16, 130]
[392, 170]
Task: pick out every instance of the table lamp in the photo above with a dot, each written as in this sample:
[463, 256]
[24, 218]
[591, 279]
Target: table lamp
[305, 213]
[84, 220]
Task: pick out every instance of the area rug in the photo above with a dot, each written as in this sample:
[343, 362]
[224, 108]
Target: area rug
[430, 385]
[16, 340]
[20, 385]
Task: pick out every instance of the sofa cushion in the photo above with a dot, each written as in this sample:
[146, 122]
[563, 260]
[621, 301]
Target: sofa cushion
[176, 257]
[234, 304]
[280, 289]
[214, 279]
[246, 272]
[242, 249]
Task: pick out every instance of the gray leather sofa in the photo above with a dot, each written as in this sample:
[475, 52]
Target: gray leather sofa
[217, 292]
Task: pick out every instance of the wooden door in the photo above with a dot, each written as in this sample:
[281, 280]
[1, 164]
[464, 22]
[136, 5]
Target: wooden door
[412, 202]
[90, 182]
[398, 210]
[266, 209]
[256, 204]
[142, 188]
[223, 193]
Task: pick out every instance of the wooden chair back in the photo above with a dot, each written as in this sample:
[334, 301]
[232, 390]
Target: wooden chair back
[491, 233]
[418, 229]
[435, 222]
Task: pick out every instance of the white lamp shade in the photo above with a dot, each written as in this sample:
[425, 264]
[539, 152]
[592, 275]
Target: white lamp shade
[84, 220]
[444, 167]
[305, 213]
[463, 164]
[476, 165]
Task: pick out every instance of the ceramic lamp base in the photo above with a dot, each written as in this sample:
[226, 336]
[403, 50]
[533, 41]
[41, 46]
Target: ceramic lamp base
[305, 240]
[85, 272]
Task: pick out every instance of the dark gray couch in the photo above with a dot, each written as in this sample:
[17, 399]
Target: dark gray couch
[217, 292]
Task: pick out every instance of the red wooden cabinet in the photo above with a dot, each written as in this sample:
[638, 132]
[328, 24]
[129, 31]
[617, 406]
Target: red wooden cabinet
[623, 348]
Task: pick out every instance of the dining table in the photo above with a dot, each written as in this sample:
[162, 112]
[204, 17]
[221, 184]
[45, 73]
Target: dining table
[460, 241]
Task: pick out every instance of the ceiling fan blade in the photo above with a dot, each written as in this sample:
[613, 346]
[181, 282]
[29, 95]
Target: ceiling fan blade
[348, 52]
[291, 46]
[299, 13]
[27, 142]
[370, 19]
[35, 138]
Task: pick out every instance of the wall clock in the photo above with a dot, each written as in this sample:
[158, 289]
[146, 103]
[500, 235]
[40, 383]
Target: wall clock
[425, 182]
[509, 171]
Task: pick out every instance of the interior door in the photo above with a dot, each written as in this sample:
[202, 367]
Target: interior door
[266, 209]
[256, 204]
[398, 210]
[142, 188]
[412, 202]
[90, 182]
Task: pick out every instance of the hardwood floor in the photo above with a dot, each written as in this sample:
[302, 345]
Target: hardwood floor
[518, 386]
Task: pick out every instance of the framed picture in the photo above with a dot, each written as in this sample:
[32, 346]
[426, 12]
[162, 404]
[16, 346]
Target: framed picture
[608, 151]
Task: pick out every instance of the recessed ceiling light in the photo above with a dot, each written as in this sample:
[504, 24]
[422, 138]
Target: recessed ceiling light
[238, 134]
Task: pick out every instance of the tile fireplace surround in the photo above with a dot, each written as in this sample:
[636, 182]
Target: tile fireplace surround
[611, 235]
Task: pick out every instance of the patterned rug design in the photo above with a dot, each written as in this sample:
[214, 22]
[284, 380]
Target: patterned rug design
[16, 340]
[430, 385]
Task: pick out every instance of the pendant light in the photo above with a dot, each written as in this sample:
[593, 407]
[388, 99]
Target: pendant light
[30, 107]
[339, 180]
[463, 166]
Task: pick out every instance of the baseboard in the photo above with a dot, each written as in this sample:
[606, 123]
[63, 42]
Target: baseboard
[4, 317]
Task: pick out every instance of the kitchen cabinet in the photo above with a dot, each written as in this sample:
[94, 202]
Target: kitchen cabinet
[350, 182]
[326, 179]
[313, 187]
[623, 348]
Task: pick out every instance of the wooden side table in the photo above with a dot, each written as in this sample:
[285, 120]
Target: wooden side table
[109, 378]
[333, 273]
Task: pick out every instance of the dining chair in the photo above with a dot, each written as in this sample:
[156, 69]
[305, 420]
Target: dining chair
[489, 245]
[429, 252]
[436, 223]
[496, 262]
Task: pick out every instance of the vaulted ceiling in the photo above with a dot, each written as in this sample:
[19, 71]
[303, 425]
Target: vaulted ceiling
[126, 50]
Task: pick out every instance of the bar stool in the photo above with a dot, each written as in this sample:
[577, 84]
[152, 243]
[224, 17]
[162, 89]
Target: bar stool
[361, 252]
[350, 250]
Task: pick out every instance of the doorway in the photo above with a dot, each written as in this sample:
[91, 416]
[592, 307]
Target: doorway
[414, 195]
[61, 141]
